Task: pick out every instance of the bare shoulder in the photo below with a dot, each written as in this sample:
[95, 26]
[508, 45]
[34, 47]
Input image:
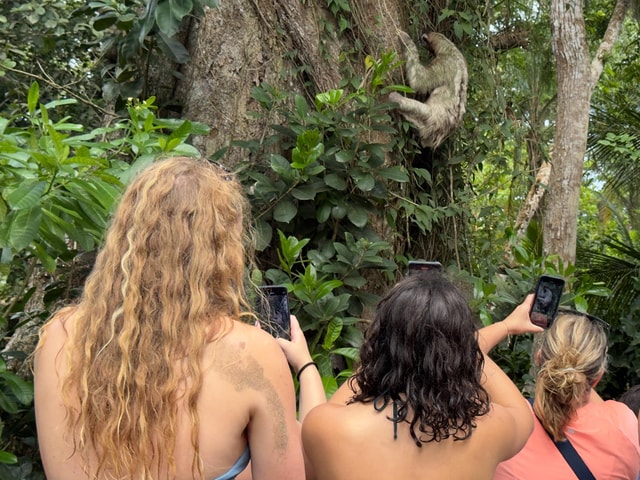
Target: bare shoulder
[250, 340]
[506, 429]
[55, 332]
[249, 358]
[321, 420]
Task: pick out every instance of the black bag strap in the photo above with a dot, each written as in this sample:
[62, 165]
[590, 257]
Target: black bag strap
[570, 454]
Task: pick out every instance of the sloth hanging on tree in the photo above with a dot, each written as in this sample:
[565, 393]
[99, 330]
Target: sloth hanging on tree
[444, 79]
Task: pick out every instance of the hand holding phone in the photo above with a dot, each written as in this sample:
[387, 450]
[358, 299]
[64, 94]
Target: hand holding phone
[273, 310]
[546, 301]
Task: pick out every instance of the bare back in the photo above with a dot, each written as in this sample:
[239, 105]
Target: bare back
[247, 399]
[359, 441]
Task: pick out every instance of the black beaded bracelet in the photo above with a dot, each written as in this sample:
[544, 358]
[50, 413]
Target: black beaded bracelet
[303, 367]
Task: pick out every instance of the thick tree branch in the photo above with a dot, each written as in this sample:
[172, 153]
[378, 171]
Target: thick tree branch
[609, 39]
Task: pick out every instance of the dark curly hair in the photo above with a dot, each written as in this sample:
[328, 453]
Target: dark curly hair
[421, 353]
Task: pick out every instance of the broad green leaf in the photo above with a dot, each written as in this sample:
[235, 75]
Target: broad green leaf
[284, 211]
[7, 457]
[264, 234]
[24, 227]
[304, 192]
[323, 212]
[345, 156]
[26, 195]
[335, 181]
[347, 352]
[365, 182]
[7, 403]
[22, 389]
[396, 173]
[358, 215]
[301, 106]
[333, 333]
[180, 8]
[167, 22]
[47, 261]
[105, 21]
[338, 212]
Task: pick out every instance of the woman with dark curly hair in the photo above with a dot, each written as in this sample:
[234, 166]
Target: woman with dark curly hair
[425, 401]
[153, 375]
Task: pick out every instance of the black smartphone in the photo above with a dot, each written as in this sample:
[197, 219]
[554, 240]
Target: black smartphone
[546, 301]
[273, 310]
[415, 266]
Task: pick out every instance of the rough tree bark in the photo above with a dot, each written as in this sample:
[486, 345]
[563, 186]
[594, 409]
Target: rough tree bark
[242, 43]
[577, 77]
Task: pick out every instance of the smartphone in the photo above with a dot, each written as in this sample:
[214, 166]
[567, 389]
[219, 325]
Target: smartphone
[415, 266]
[273, 310]
[546, 301]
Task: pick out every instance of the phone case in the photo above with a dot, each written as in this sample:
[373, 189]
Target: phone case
[415, 266]
[547, 299]
[273, 311]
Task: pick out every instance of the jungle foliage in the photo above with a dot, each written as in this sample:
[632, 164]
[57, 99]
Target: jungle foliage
[335, 220]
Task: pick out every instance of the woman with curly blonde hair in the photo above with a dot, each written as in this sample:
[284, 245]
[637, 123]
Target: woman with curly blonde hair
[152, 375]
[571, 361]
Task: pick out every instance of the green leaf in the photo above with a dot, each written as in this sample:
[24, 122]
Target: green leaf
[264, 234]
[6, 457]
[323, 212]
[366, 182]
[358, 215]
[284, 211]
[333, 333]
[180, 8]
[335, 181]
[20, 388]
[301, 106]
[24, 227]
[397, 174]
[48, 262]
[347, 352]
[7, 403]
[304, 192]
[104, 21]
[175, 50]
[26, 195]
[32, 99]
[167, 23]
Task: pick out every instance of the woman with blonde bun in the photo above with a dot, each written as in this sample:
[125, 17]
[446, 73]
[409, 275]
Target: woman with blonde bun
[572, 359]
[153, 375]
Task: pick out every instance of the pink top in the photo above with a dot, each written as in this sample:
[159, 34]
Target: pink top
[604, 434]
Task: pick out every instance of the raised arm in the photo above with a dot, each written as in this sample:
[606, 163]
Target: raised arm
[518, 322]
[297, 352]
[513, 418]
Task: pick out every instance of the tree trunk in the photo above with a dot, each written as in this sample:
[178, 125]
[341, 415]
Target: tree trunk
[577, 77]
[288, 44]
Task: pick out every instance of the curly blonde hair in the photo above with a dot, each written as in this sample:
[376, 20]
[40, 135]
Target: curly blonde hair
[573, 356]
[168, 280]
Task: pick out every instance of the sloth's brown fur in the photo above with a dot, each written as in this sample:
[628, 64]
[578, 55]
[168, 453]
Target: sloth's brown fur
[444, 79]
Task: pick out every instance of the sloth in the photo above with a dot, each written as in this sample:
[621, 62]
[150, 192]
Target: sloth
[444, 80]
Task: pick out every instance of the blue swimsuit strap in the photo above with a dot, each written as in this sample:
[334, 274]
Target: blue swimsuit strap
[237, 467]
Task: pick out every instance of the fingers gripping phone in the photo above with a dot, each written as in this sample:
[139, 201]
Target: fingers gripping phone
[273, 310]
[546, 301]
[415, 266]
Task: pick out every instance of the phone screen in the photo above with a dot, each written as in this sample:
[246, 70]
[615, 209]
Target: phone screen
[415, 266]
[547, 299]
[273, 311]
